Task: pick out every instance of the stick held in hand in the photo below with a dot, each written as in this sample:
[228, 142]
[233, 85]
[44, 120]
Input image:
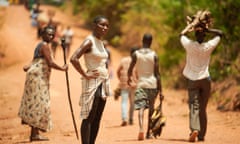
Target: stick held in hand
[68, 89]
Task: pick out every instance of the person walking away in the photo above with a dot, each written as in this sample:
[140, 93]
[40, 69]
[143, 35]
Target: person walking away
[198, 78]
[35, 104]
[149, 86]
[57, 39]
[42, 21]
[127, 92]
[67, 34]
[34, 14]
[95, 79]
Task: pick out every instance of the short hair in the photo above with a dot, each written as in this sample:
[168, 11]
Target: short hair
[147, 37]
[98, 18]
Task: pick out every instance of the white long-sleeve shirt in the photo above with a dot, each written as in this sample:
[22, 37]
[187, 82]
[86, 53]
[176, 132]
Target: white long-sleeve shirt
[198, 57]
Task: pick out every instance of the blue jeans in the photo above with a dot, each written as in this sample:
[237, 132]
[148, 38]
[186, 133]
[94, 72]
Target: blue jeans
[124, 103]
[127, 94]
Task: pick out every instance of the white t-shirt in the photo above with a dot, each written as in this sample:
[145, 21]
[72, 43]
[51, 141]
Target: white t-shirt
[68, 34]
[198, 57]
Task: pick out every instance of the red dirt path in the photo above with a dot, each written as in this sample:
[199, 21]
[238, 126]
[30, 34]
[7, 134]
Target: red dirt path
[19, 39]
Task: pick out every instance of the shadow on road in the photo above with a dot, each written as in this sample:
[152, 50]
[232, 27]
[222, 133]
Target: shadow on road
[179, 140]
[22, 142]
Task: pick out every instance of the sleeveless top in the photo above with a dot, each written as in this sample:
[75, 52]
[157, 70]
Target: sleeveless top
[35, 104]
[37, 51]
[94, 60]
[145, 68]
[97, 58]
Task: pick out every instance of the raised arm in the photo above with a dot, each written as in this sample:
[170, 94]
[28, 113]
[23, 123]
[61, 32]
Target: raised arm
[185, 30]
[188, 28]
[215, 32]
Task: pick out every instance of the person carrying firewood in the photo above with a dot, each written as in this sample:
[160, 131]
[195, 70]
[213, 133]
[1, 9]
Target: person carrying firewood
[196, 72]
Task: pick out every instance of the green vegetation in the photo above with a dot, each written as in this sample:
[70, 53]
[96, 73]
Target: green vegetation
[165, 19]
[53, 2]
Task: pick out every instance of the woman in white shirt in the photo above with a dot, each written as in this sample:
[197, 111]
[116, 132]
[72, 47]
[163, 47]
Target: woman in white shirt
[95, 79]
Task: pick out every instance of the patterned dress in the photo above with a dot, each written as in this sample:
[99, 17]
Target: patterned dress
[35, 105]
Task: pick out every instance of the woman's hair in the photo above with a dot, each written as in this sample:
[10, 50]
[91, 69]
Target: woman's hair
[98, 18]
[47, 28]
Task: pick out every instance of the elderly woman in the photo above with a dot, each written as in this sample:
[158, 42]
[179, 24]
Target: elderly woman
[94, 79]
[35, 105]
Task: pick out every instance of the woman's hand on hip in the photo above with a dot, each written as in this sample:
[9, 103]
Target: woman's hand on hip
[92, 74]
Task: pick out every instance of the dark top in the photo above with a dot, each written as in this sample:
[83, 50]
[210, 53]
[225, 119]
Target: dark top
[37, 51]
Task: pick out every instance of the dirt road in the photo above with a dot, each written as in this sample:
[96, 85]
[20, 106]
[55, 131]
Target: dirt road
[20, 40]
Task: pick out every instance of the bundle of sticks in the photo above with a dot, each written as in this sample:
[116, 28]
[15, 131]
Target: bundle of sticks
[202, 19]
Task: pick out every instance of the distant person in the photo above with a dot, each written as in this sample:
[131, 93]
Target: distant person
[35, 104]
[146, 64]
[45, 19]
[67, 34]
[56, 41]
[95, 79]
[29, 4]
[42, 21]
[196, 72]
[127, 92]
[34, 13]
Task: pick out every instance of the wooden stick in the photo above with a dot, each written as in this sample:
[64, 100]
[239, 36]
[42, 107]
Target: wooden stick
[68, 89]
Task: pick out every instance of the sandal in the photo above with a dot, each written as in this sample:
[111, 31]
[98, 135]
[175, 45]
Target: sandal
[193, 136]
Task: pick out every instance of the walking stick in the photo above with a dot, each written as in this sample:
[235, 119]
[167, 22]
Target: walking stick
[68, 89]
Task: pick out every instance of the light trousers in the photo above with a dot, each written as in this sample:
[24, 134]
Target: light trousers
[127, 95]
